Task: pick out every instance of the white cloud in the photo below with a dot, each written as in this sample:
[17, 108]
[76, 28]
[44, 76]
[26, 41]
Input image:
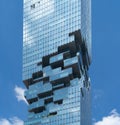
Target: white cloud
[112, 119]
[11, 121]
[20, 94]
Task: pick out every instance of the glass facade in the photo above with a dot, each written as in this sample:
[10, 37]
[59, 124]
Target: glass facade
[56, 59]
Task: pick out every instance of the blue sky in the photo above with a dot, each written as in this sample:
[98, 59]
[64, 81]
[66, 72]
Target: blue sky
[104, 71]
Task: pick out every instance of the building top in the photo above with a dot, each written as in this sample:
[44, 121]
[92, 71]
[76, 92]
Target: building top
[47, 25]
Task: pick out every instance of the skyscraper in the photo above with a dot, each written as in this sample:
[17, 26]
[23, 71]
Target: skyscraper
[56, 59]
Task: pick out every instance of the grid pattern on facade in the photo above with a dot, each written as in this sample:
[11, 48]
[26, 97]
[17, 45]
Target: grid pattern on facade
[56, 59]
[55, 91]
[47, 24]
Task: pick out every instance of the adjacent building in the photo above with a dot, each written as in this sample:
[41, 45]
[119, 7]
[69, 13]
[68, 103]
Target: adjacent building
[56, 60]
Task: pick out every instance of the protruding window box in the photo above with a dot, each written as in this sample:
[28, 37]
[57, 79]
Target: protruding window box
[70, 61]
[47, 68]
[59, 86]
[56, 61]
[74, 63]
[30, 94]
[56, 58]
[36, 106]
[45, 94]
[45, 88]
[37, 75]
[52, 72]
[58, 78]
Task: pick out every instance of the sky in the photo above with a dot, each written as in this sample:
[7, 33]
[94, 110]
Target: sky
[104, 70]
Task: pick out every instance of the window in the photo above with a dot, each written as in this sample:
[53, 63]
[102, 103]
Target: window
[32, 6]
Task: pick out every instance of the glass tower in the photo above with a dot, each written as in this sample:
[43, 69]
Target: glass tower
[56, 59]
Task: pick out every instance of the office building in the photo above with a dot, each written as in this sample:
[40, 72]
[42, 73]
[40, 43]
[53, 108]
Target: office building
[56, 60]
